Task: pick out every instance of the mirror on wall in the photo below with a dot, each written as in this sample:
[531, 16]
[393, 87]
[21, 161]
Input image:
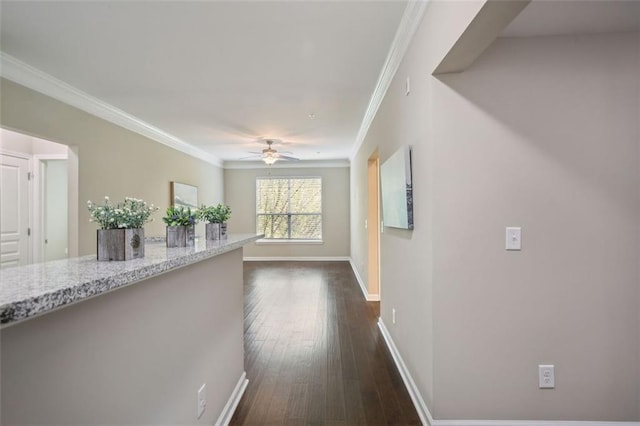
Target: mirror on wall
[183, 195]
[34, 199]
[397, 190]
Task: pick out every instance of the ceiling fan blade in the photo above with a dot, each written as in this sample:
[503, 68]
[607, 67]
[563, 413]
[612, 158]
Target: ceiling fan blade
[286, 157]
[252, 157]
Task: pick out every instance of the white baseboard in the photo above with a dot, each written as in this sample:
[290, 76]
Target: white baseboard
[528, 423]
[368, 297]
[414, 393]
[427, 418]
[234, 400]
[296, 259]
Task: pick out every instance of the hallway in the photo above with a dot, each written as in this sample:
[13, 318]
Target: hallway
[313, 351]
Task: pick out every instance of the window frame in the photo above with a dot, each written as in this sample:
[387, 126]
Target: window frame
[289, 214]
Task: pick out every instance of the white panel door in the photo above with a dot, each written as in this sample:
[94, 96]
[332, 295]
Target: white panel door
[14, 211]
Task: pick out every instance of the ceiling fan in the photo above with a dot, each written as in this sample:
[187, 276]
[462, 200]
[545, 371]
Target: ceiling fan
[270, 155]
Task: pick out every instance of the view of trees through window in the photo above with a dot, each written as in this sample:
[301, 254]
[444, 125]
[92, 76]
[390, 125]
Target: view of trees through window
[289, 207]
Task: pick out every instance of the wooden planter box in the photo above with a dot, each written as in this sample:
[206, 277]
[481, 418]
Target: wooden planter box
[181, 236]
[212, 231]
[120, 244]
[216, 231]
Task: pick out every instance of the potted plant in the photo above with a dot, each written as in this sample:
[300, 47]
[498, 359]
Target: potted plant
[216, 218]
[180, 226]
[224, 214]
[121, 236]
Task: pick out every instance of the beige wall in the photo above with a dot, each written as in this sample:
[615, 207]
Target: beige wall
[240, 190]
[134, 356]
[113, 161]
[540, 133]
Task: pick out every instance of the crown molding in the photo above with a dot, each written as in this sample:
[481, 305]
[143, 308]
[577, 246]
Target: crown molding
[32, 78]
[302, 164]
[407, 28]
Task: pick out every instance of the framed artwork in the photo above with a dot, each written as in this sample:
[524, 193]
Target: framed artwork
[184, 195]
[397, 190]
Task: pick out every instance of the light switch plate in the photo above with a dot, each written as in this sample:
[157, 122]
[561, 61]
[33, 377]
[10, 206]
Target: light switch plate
[513, 238]
[202, 399]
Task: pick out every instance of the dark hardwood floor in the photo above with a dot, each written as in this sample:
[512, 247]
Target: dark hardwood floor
[313, 351]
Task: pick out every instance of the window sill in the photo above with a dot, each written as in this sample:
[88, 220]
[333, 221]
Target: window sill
[269, 241]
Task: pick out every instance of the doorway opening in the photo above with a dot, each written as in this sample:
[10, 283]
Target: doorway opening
[373, 227]
[39, 200]
[51, 215]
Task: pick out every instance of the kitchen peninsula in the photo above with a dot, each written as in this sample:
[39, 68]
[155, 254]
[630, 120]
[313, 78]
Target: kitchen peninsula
[88, 342]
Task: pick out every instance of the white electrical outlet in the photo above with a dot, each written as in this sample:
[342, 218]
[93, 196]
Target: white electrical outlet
[546, 376]
[407, 86]
[393, 315]
[202, 399]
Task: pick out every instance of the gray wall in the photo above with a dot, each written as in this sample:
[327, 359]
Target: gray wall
[113, 161]
[240, 191]
[552, 146]
[137, 355]
[540, 133]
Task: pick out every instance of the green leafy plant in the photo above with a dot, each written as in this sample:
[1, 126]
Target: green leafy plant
[179, 216]
[128, 214]
[218, 214]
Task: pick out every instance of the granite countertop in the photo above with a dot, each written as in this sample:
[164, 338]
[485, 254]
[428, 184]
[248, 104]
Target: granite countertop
[27, 291]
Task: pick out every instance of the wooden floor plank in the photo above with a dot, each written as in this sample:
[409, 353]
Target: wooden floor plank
[313, 351]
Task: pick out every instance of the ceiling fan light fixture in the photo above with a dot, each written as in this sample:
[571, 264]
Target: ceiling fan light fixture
[269, 155]
[269, 159]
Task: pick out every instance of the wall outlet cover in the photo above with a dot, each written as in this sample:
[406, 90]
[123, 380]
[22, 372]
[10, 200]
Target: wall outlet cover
[546, 376]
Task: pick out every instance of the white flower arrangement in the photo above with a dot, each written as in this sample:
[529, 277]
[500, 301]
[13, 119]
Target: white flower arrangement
[129, 214]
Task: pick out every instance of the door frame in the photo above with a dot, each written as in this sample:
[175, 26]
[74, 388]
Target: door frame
[374, 287]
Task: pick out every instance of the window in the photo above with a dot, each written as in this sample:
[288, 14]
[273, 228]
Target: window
[289, 208]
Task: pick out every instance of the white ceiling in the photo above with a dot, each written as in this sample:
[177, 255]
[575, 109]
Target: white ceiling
[217, 75]
[566, 17]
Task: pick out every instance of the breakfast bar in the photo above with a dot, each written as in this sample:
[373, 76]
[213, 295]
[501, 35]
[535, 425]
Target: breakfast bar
[133, 342]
